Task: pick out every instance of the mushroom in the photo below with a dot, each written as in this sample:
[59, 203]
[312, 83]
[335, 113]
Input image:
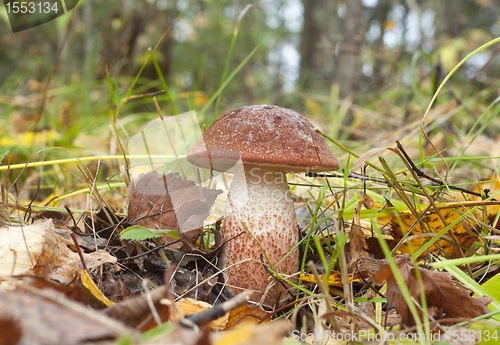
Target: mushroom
[271, 141]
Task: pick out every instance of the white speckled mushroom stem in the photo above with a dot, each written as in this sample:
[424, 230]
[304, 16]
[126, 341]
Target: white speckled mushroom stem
[260, 198]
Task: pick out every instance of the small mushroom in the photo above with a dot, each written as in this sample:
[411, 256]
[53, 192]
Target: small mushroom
[271, 141]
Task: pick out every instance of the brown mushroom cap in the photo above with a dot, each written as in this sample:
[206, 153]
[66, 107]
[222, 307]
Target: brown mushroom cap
[264, 135]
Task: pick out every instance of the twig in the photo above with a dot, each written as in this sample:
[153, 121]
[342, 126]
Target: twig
[207, 316]
[420, 173]
[149, 299]
[409, 163]
[28, 210]
[275, 277]
[149, 251]
[79, 251]
[349, 175]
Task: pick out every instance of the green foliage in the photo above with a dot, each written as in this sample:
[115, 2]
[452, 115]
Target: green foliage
[492, 286]
[140, 233]
[2, 155]
[164, 328]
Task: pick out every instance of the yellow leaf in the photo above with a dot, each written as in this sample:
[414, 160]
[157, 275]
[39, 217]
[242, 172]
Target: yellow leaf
[190, 306]
[313, 107]
[335, 278]
[201, 99]
[247, 316]
[236, 336]
[94, 290]
[266, 334]
[430, 225]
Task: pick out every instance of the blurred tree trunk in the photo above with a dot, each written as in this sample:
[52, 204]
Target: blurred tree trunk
[352, 31]
[88, 66]
[447, 21]
[380, 65]
[320, 36]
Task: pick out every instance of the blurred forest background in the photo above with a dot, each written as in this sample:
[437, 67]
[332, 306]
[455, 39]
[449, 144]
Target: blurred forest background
[355, 68]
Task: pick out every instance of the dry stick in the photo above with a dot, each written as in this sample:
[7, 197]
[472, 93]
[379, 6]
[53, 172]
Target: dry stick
[79, 251]
[91, 182]
[431, 201]
[274, 276]
[397, 187]
[366, 282]
[207, 316]
[149, 251]
[419, 172]
[326, 295]
[149, 299]
[422, 174]
[169, 138]
[28, 210]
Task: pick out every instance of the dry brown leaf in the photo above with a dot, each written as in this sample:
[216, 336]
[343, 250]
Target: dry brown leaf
[15, 244]
[135, 310]
[73, 292]
[245, 316]
[357, 244]
[430, 225]
[11, 332]
[37, 249]
[168, 202]
[41, 321]
[57, 262]
[444, 298]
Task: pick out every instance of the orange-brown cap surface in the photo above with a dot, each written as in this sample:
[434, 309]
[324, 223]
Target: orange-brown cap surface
[265, 135]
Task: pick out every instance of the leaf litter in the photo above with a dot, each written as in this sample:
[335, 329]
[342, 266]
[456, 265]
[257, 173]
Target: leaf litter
[445, 299]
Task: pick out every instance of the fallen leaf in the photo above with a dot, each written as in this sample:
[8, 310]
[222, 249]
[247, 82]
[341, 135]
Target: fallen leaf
[267, 334]
[245, 316]
[444, 299]
[493, 188]
[41, 320]
[190, 306]
[168, 202]
[430, 225]
[94, 290]
[11, 332]
[357, 242]
[36, 249]
[59, 263]
[73, 292]
[335, 278]
[20, 247]
[134, 311]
